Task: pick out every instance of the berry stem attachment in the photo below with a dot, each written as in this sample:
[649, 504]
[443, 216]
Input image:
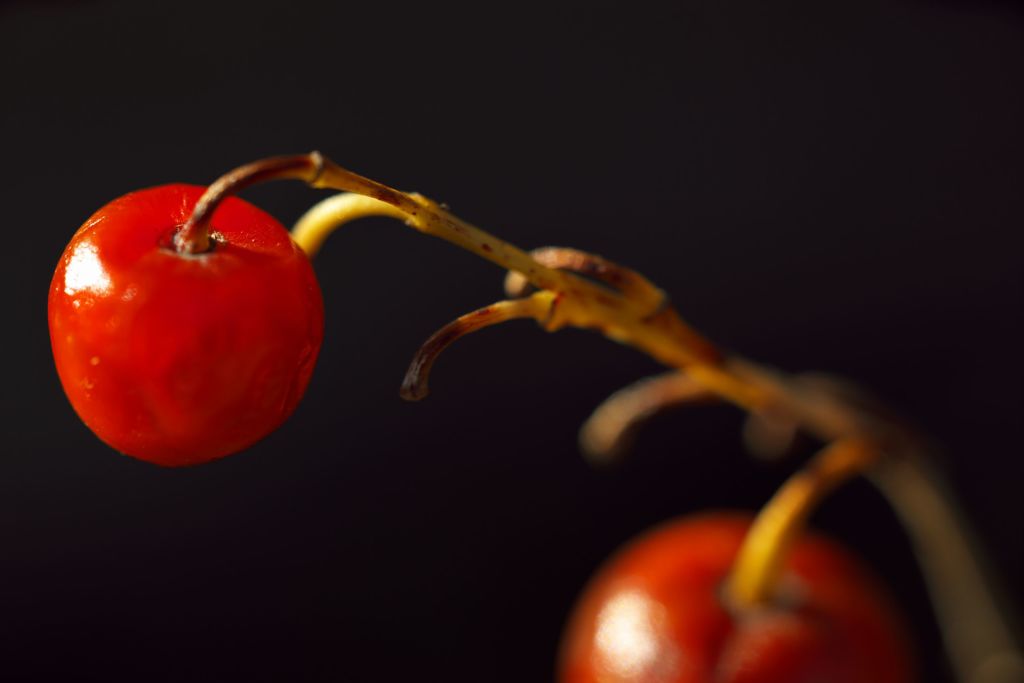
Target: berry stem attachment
[194, 236]
[756, 571]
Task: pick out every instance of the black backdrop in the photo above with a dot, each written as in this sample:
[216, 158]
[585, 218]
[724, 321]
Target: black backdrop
[831, 189]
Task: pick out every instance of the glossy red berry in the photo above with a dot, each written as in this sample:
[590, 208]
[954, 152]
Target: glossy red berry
[179, 359]
[656, 614]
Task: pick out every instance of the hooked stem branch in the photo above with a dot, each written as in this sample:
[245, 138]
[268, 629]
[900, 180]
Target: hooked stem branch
[539, 307]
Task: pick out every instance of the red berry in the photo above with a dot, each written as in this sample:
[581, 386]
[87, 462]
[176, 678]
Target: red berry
[656, 614]
[179, 359]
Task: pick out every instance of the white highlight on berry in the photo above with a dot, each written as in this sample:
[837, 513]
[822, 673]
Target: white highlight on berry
[628, 639]
[84, 271]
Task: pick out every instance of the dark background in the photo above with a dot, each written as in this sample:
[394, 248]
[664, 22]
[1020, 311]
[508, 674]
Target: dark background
[818, 188]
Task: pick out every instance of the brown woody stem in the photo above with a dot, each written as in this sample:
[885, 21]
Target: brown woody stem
[194, 236]
[415, 384]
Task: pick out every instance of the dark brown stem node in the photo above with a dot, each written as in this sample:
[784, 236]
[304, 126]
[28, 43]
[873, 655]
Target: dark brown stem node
[624, 280]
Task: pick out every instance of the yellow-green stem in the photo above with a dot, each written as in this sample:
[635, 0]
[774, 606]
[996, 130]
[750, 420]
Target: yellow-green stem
[756, 570]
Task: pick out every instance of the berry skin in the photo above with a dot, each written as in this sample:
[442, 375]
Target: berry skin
[180, 359]
[656, 614]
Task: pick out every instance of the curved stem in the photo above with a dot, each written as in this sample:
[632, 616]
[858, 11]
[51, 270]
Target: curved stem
[608, 431]
[780, 522]
[315, 226]
[415, 385]
[194, 236]
[977, 632]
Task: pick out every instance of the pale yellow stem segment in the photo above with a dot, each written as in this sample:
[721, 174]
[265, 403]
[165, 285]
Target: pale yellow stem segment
[756, 570]
[316, 225]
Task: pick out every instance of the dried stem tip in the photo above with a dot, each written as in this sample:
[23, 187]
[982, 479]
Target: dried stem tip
[415, 384]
